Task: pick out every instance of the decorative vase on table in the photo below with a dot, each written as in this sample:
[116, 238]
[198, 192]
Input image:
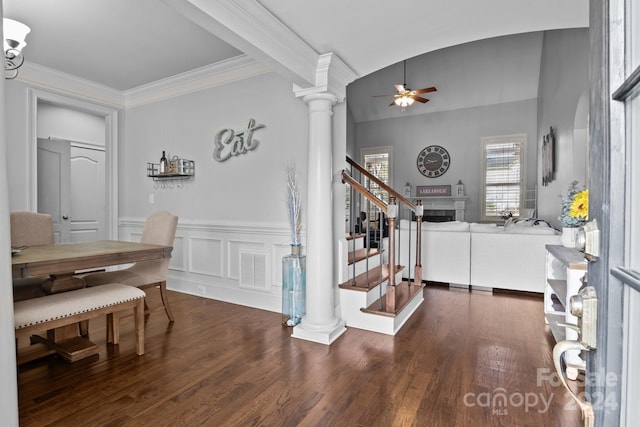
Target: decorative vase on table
[568, 237]
[294, 272]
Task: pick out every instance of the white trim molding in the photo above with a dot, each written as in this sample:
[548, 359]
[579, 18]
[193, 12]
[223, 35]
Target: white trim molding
[221, 73]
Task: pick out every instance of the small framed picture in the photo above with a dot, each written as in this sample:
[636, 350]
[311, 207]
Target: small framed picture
[173, 166]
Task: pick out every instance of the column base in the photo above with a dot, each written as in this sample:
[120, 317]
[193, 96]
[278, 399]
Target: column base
[322, 334]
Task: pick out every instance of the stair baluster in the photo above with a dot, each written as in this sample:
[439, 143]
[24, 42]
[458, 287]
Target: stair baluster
[417, 275]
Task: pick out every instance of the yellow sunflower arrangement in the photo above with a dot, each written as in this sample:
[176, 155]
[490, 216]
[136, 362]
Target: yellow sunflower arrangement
[575, 207]
[580, 205]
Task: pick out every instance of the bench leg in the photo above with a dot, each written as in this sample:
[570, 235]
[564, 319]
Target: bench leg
[139, 325]
[113, 328]
[84, 328]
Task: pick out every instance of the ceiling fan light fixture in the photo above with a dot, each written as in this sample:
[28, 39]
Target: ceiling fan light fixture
[404, 101]
[405, 97]
[14, 37]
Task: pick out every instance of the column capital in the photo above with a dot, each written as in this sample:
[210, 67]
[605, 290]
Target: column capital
[329, 100]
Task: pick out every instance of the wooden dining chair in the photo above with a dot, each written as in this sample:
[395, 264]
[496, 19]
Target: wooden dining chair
[159, 229]
[30, 229]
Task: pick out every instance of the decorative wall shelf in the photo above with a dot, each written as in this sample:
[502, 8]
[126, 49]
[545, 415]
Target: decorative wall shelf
[178, 169]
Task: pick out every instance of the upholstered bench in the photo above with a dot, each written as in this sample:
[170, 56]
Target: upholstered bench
[68, 308]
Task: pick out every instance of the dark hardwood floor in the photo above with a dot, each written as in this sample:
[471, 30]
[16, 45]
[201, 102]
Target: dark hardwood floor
[464, 359]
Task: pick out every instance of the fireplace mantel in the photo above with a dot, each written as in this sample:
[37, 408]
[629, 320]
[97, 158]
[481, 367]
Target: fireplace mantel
[457, 203]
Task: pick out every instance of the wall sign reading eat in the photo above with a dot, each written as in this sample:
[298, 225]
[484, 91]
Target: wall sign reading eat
[232, 143]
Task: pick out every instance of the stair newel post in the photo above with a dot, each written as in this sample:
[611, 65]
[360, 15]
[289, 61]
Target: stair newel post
[417, 276]
[392, 212]
[352, 201]
[399, 235]
[368, 239]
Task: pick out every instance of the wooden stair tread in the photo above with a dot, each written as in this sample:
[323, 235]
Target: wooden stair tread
[405, 291]
[360, 254]
[354, 236]
[373, 277]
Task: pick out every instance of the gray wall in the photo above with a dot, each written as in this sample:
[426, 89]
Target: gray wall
[564, 76]
[249, 187]
[458, 131]
[64, 123]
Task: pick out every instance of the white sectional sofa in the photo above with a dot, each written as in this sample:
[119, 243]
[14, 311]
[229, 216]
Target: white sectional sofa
[479, 255]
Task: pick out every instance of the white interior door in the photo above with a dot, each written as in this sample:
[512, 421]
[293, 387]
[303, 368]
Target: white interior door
[88, 197]
[71, 188]
[54, 177]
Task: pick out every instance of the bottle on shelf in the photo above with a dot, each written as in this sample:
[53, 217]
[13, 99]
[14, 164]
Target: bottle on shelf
[164, 164]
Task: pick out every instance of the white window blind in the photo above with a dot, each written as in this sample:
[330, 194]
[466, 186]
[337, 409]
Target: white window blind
[502, 169]
[378, 162]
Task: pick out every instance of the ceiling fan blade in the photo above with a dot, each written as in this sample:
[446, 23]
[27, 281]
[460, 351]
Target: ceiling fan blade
[392, 103]
[400, 88]
[425, 90]
[420, 99]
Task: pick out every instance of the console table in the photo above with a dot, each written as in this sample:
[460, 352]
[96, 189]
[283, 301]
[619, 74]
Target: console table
[565, 270]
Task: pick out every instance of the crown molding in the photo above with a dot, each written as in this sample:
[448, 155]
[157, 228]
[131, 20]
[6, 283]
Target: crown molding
[224, 72]
[39, 76]
[221, 73]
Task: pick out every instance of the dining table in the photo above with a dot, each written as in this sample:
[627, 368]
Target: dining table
[61, 261]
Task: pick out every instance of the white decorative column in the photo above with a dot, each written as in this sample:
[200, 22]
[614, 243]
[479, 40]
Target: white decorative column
[320, 323]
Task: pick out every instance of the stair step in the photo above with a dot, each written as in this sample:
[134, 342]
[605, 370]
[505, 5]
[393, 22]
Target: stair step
[405, 292]
[362, 284]
[360, 254]
[354, 236]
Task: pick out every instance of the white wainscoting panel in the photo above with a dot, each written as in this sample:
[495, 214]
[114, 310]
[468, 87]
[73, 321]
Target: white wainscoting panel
[205, 255]
[233, 262]
[177, 254]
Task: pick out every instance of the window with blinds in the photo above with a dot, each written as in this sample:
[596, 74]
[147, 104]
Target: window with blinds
[502, 164]
[378, 162]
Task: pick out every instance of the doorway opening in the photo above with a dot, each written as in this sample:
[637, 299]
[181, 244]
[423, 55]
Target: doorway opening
[109, 115]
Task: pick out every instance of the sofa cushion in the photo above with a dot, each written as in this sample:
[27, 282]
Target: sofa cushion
[436, 226]
[446, 226]
[474, 227]
[529, 226]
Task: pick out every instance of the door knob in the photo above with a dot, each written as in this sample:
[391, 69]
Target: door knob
[558, 351]
[65, 216]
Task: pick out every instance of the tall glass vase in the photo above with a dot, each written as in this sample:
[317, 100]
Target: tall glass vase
[294, 284]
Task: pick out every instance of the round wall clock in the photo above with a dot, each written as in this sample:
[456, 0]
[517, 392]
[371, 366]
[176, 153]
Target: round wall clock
[433, 161]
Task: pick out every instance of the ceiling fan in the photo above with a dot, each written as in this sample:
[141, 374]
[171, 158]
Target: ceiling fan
[405, 96]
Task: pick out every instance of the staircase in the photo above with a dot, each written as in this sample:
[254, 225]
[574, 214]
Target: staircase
[374, 296]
